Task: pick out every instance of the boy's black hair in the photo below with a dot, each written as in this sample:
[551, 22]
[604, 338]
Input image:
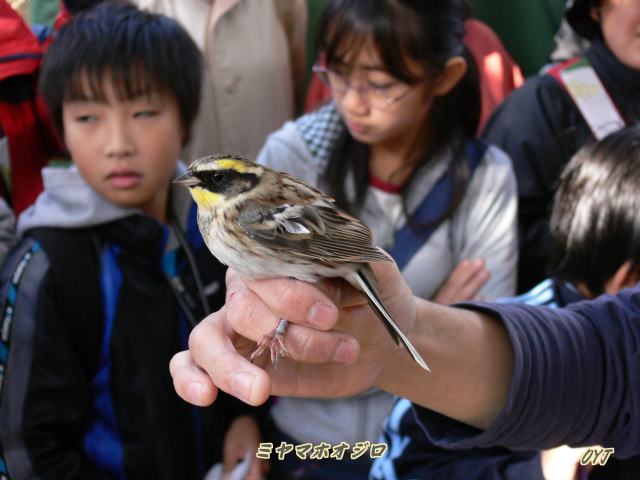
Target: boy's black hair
[595, 222]
[142, 52]
[426, 31]
[76, 6]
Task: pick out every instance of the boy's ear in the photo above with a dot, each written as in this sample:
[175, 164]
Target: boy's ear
[594, 13]
[186, 136]
[454, 70]
[628, 275]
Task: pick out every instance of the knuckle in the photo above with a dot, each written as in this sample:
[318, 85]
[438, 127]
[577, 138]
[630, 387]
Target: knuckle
[175, 363]
[197, 339]
[248, 319]
[312, 346]
[288, 293]
[307, 348]
[235, 286]
[245, 316]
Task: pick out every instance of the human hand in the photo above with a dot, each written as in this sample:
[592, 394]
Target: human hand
[336, 344]
[243, 436]
[464, 282]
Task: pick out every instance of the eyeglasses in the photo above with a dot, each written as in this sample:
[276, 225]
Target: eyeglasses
[375, 96]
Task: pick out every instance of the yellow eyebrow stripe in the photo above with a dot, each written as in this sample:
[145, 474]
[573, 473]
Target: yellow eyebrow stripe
[232, 164]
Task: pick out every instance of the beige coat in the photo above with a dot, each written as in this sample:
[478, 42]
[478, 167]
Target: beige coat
[254, 54]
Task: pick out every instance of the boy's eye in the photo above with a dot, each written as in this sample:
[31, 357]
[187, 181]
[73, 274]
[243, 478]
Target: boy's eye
[85, 118]
[145, 113]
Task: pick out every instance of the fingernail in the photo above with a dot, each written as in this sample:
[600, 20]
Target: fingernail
[194, 392]
[321, 314]
[346, 352]
[241, 385]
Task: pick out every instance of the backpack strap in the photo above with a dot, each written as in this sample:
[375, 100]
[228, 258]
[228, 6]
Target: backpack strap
[23, 267]
[589, 94]
[75, 267]
[67, 264]
[434, 205]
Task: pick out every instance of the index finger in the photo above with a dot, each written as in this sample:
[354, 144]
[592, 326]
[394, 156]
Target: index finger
[317, 304]
[213, 351]
[298, 301]
[191, 383]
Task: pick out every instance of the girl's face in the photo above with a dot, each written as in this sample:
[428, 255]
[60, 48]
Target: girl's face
[378, 109]
[620, 22]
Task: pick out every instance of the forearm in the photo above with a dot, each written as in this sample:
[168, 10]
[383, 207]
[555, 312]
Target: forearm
[471, 363]
[573, 373]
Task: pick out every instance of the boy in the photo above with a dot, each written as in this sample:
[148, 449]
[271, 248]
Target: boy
[595, 250]
[111, 268]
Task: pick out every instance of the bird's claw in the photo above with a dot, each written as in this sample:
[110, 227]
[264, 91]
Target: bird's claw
[274, 341]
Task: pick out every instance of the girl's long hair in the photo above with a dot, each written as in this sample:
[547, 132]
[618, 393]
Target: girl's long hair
[426, 31]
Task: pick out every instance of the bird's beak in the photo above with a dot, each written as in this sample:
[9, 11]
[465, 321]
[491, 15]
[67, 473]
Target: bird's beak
[188, 179]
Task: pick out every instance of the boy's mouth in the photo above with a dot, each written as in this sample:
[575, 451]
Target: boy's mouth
[124, 179]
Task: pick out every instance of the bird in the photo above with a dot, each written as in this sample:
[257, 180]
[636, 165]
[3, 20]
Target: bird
[264, 223]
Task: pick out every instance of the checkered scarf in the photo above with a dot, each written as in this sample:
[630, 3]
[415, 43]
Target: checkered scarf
[320, 129]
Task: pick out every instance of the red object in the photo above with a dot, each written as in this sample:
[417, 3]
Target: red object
[384, 186]
[499, 74]
[23, 114]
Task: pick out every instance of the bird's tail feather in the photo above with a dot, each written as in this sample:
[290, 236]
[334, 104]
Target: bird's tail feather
[378, 307]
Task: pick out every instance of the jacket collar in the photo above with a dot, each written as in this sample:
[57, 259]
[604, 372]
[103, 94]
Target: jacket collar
[622, 82]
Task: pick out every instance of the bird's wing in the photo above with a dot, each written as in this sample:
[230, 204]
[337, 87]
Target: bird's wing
[315, 230]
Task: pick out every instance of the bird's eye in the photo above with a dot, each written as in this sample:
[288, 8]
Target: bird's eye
[217, 177]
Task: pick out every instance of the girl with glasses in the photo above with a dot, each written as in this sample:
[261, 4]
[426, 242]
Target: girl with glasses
[395, 146]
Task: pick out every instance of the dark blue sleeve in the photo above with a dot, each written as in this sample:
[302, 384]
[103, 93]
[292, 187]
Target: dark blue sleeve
[575, 379]
[411, 454]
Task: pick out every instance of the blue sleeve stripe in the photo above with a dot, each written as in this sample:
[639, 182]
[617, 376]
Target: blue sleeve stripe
[384, 467]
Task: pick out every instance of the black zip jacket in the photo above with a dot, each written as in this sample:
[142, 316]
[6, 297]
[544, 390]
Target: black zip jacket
[91, 318]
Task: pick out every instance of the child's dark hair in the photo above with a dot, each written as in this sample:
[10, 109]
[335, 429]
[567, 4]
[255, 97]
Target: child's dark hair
[425, 31]
[595, 222]
[141, 52]
[76, 6]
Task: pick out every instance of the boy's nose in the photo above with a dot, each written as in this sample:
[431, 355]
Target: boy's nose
[120, 142]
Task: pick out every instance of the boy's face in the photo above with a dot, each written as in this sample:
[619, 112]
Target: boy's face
[126, 149]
